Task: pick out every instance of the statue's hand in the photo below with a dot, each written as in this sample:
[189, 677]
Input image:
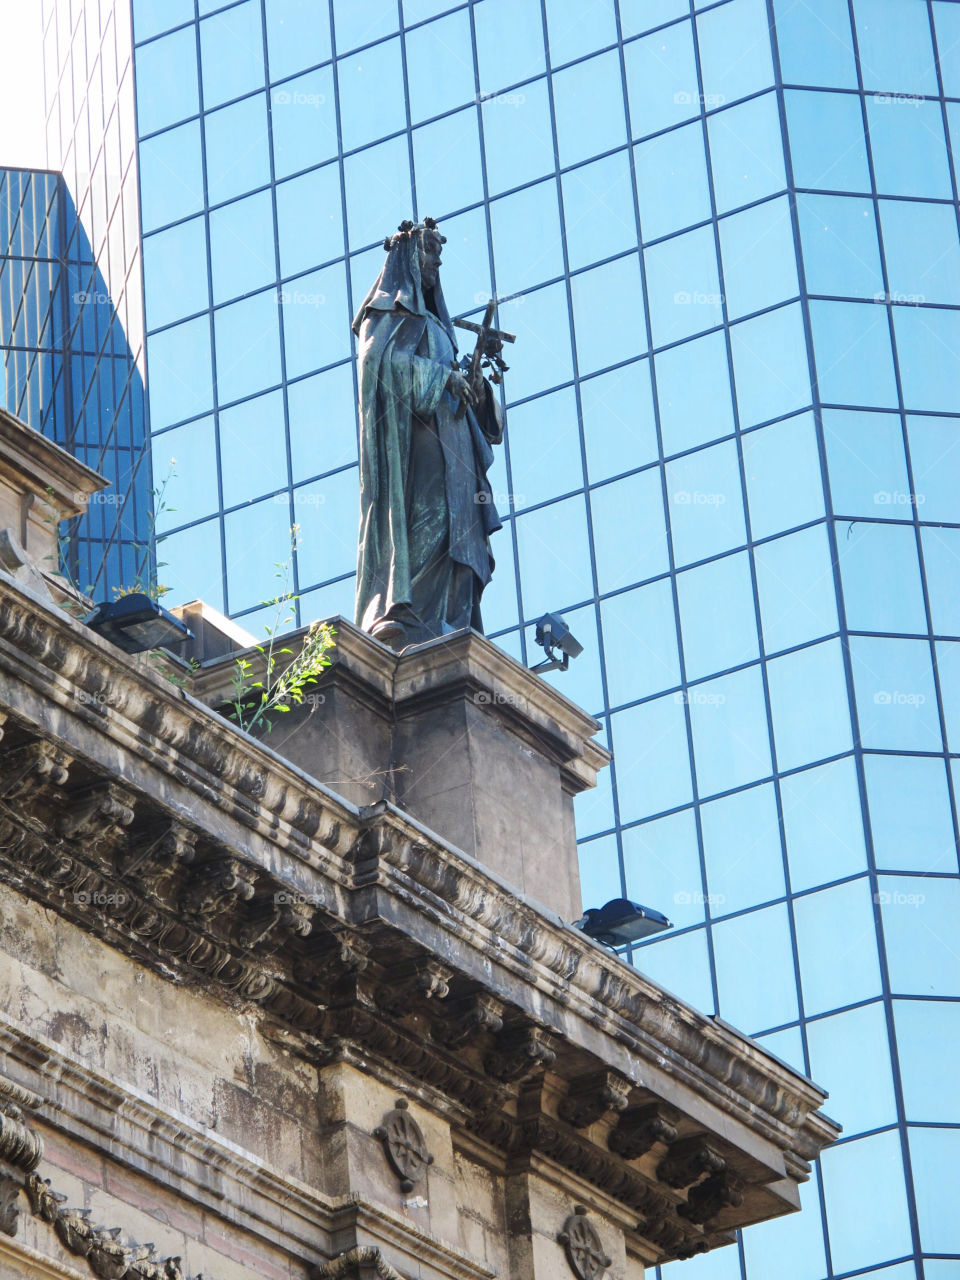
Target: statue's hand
[459, 386]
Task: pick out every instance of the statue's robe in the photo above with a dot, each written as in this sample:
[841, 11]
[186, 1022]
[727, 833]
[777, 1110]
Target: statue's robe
[426, 508]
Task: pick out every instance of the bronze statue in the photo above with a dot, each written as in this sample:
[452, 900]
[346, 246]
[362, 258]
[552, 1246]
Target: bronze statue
[427, 425]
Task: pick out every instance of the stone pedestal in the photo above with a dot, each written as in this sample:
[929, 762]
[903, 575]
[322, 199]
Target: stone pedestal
[457, 733]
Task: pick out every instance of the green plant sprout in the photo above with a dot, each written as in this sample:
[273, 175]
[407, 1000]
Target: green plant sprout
[255, 701]
[146, 583]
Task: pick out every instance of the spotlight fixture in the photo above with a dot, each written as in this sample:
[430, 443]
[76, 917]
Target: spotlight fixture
[621, 921]
[135, 623]
[552, 634]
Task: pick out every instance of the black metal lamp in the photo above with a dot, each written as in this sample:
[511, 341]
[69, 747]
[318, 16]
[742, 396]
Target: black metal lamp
[621, 921]
[135, 623]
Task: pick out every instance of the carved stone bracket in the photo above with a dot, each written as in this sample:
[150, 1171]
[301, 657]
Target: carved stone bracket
[331, 959]
[429, 980]
[640, 1128]
[217, 885]
[363, 1263]
[104, 1250]
[272, 920]
[159, 854]
[405, 1145]
[592, 1096]
[482, 1014]
[99, 817]
[520, 1051]
[687, 1161]
[719, 1191]
[585, 1252]
[30, 769]
[20, 1149]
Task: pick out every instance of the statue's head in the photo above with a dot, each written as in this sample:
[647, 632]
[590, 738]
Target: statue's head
[429, 245]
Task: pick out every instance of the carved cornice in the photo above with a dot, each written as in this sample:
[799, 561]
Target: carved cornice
[363, 1263]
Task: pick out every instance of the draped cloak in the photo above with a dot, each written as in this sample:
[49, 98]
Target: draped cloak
[426, 508]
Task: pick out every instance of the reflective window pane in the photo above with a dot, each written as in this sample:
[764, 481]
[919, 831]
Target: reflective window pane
[357, 24]
[554, 557]
[629, 530]
[706, 510]
[256, 536]
[242, 255]
[808, 703]
[941, 554]
[181, 372]
[309, 220]
[790, 1247]
[836, 942]
[518, 137]
[609, 325]
[728, 721]
[909, 148]
[231, 52]
[598, 211]
[896, 700]
[541, 322]
[871, 556]
[741, 849]
[323, 433]
[574, 30]
[717, 616]
[782, 468]
[191, 566]
[824, 829]
[931, 384]
[815, 43]
[442, 187]
[946, 18]
[316, 321]
[723, 34]
[672, 186]
[544, 448]
[253, 454]
[588, 105]
[190, 482]
[599, 870]
[840, 1047]
[922, 251]
[509, 42]
[920, 935]
[746, 152]
[683, 286]
[928, 1042]
[841, 254]
[653, 766]
[827, 145]
[693, 392]
[681, 964]
[932, 1151]
[796, 589]
[370, 85]
[171, 176]
[661, 79]
[440, 66]
[298, 36]
[759, 258]
[378, 191]
[248, 347]
[151, 17]
[758, 943]
[526, 237]
[618, 423]
[867, 465]
[303, 122]
[770, 365]
[326, 511]
[638, 16]
[866, 1199]
[896, 52]
[640, 642]
[910, 813]
[854, 357]
[935, 455]
[175, 273]
[662, 865]
[237, 142]
[167, 80]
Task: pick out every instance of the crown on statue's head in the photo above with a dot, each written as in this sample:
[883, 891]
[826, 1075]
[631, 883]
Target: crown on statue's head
[408, 229]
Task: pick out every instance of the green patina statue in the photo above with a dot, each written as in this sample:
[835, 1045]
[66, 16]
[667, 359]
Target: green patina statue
[426, 429]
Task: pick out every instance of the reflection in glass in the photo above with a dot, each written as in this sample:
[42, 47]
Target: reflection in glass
[618, 423]
[253, 455]
[248, 346]
[304, 122]
[896, 700]
[598, 211]
[706, 510]
[662, 867]
[517, 136]
[928, 1043]
[683, 286]
[233, 169]
[717, 618]
[661, 79]
[815, 43]
[723, 34]
[841, 254]
[796, 589]
[808, 703]
[867, 1217]
[242, 256]
[672, 187]
[741, 850]
[759, 258]
[653, 765]
[309, 220]
[588, 106]
[554, 557]
[640, 642]
[608, 322]
[441, 186]
[851, 1050]
[827, 146]
[298, 36]
[782, 468]
[871, 556]
[746, 152]
[167, 80]
[231, 53]
[868, 468]
[770, 365]
[836, 944]
[171, 176]
[693, 392]
[181, 372]
[757, 943]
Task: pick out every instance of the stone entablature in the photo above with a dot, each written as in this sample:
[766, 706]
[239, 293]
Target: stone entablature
[392, 964]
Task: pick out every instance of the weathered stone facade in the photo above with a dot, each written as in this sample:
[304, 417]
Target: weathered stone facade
[275, 1033]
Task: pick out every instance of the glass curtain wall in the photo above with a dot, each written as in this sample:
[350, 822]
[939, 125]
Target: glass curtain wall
[726, 238]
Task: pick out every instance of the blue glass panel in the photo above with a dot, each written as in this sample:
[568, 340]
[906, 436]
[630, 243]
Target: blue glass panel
[896, 52]
[871, 556]
[638, 16]
[167, 80]
[526, 237]
[866, 1201]
[323, 432]
[724, 34]
[683, 286]
[309, 220]
[554, 557]
[741, 850]
[316, 320]
[298, 35]
[544, 444]
[782, 469]
[542, 324]
[593, 811]
[936, 466]
[808, 703]
[509, 42]
[827, 146]
[909, 148]
[796, 590]
[248, 346]
[948, 665]
[440, 66]
[242, 246]
[928, 1043]
[304, 122]
[335, 599]
[920, 932]
[854, 357]
[640, 642]
[618, 423]
[599, 870]
[946, 19]
[661, 79]
[910, 813]
[653, 762]
[466, 273]
[706, 511]
[693, 392]
[357, 24]
[175, 273]
[896, 701]
[150, 17]
[238, 156]
[941, 554]
[717, 618]
[790, 1247]
[607, 313]
[442, 186]
[759, 258]
[931, 1152]
[672, 187]
[836, 942]
[922, 251]
[192, 565]
[628, 529]
[573, 30]
[662, 866]
[378, 191]
[770, 367]
[681, 965]
[327, 511]
[728, 722]
[598, 211]
[868, 470]
[841, 254]
[839, 1048]
[754, 943]
[171, 176]
[257, 538]
[370, 85]
[746, 152]
[588, 104]
[822, 823]
[190, 483]
[253, 451]
[231, 53]
[181, 380]
[928, 348]
[816, 46]
[500, 607]
[518, 137]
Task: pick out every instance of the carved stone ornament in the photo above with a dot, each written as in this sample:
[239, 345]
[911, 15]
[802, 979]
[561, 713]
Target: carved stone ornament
[405, 1145]
[362, 1263]
[592, 1096]
[9, 1209]
[585, 1252]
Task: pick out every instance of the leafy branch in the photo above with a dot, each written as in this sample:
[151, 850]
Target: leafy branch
[146, 582]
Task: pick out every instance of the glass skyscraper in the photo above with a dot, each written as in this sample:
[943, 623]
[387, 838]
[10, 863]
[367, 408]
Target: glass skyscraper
[726, 236]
